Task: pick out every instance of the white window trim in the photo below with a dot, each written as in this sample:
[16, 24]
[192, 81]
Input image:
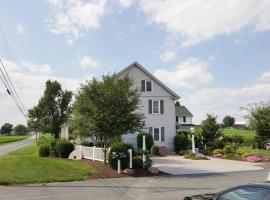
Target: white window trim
[159, 134]
[158, 107]
[145, 85]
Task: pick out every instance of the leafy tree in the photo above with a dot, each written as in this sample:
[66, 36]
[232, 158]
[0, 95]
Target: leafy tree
[106, 109]
[20, 129]
[6, 129]
[259, 119]
[228, 121]
[210, 128]
[52, 110]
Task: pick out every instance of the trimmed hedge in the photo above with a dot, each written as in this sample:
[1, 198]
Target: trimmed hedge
[63, 148]
[149, 142]
[155, 150]
[181, 142]
[120, 147]
[44, 150]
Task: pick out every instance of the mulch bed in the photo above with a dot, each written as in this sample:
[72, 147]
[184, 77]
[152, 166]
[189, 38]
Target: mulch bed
[105, 171]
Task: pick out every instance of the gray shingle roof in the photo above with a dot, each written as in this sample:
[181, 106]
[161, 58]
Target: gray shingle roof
[182, 111]
[136, 64]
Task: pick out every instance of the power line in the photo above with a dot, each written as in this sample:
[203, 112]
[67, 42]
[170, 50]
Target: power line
[9, 52]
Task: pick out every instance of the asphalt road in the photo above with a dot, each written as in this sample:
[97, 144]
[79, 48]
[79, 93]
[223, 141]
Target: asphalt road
[157, 188]
[15, 145]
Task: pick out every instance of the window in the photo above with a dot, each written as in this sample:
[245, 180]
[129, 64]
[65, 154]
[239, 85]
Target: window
[176, 118]
[155, 106]
[184, 119]
[146, 86]
[247, 193]
[156, 134]
[149, 86]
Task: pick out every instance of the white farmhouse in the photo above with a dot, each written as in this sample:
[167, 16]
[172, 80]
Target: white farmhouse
[157, 104]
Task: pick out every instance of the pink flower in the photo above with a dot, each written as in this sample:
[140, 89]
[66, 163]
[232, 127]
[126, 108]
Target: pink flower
[254, 159]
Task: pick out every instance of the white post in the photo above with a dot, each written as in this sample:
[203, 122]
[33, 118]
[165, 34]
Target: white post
[193, 144]
[119, 166]
[144, 148]
[94, 153]
[130, 158]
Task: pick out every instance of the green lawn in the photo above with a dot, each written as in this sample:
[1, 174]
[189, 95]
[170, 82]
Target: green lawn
[13, 138]
[248, 136]
[25, 166]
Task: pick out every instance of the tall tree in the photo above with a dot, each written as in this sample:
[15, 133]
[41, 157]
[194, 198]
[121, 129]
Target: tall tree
[228, 121]
[259, 119]
[210, 128]
[6, 129]
[52, 110]
[20, 129]
[106, 109]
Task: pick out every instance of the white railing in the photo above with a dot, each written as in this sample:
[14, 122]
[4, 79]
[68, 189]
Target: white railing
[93, 153]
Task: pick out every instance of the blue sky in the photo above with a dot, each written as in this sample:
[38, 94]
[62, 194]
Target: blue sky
[216, 58]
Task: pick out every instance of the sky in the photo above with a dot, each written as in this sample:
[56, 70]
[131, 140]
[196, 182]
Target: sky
[214, 54]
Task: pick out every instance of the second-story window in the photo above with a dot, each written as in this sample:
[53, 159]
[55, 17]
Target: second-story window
[149, 86]
[184, 119]
[155, 106]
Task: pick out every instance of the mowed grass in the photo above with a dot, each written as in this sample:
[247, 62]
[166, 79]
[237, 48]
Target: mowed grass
[13, 138]
[248, 136]
[25, 166]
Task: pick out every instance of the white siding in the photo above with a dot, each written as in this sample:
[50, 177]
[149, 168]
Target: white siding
[188, 120]
[166, 120]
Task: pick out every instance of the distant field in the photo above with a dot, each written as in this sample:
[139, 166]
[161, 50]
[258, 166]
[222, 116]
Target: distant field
[248, 136]
[9, 139]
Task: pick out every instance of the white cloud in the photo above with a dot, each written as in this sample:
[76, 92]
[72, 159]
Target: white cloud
[168, 56]
[265, 76]
[195, 21]
[226, 101]
[126, 3]
[88, 63]
[30, 87]
[74, 17]
[20, 29]
[190, 73]
[43, 69]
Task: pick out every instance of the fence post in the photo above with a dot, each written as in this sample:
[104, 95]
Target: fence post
[119, 166]
[94, 153]
[130, 158]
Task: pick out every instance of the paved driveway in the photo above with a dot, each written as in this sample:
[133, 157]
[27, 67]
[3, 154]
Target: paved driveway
[177, 165]
[15, 145]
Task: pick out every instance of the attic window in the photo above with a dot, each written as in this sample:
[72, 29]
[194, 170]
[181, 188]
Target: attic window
[146, 86]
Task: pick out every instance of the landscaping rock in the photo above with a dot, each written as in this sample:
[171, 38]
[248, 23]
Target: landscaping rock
[75, 155]
[153, 170]
[129, 172]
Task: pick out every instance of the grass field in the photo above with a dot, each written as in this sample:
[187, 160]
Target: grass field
[248, 136]
[25, 166]
[14, 138]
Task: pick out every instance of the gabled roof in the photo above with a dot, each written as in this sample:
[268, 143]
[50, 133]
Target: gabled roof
[136, 64]
[182, 111]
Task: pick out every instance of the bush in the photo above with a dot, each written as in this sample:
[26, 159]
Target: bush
[149, 142]
[245, 155]
[141, 152]
[237, 139]
[137, 162]
[44, 150]
[181, 142]
[218, 151]
[218, 143]
[189, 155]
[120, 147]
[229, 152]
[155, 150]
[63, 148]
[182, 153]
[148, 162]
[46, 139]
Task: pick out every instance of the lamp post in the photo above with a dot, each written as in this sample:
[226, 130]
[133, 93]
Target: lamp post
[192, 131]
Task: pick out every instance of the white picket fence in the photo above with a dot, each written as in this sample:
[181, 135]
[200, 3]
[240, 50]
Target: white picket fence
[93, 153]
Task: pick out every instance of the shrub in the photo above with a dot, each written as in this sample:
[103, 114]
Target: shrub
[245, 155]
[137, 162]
[44, 150]
[148, 162]
[155, 150]
[182, 153]
[218, 151]
[141, 152]
[181, 142]
[218, 143]
[229, 152]
[237, 139]
[240, 152]
[63, 148]
[120, 147]
[189, 155]
[46, 138]
[149, 142]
